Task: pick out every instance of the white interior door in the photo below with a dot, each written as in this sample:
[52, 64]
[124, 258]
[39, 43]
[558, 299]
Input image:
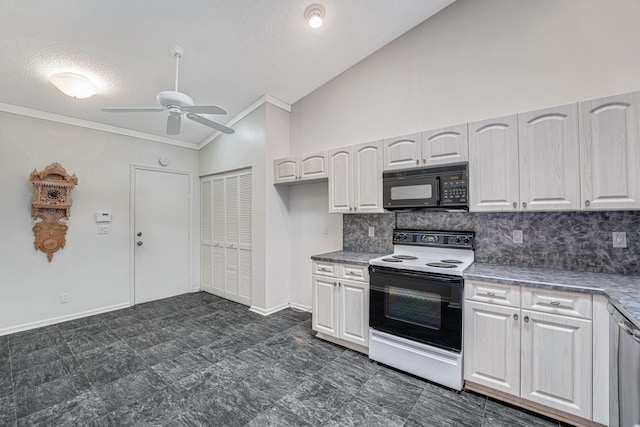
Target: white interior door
[161, 228]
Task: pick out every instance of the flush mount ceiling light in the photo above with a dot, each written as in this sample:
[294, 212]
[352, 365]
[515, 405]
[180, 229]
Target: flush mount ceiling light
[73, 85]
[314, 15]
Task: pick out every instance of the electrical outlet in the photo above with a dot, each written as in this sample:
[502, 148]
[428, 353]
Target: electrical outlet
[325, 230]
[619, 239]
[372, 231]
[64, 298]
[517, 237]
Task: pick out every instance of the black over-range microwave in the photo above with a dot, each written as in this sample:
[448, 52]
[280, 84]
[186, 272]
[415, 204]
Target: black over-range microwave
[443, 187]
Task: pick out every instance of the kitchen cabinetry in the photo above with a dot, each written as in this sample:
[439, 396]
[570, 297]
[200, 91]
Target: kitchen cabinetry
[493, 165]
[306, 168]
[355, 179]
[535, 344]
[549, 159]
[528, 162]
[610, 152]
[341, 304]
[430, 148]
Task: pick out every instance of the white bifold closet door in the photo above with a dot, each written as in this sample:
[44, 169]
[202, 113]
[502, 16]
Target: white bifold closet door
[226, 235]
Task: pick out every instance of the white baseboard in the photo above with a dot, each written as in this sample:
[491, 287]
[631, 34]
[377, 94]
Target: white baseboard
[60, 319]
[299, 306]
[266, 312]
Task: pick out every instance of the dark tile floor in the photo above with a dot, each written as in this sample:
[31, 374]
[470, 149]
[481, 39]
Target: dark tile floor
[198, 360]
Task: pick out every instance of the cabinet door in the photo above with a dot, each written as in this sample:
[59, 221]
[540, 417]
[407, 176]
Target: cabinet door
[549, 159]
[325, 307]
[340, 189]
[353, 309]
[493, 165]
[445, 146]
[492, 346]
[285, 170]
[556, 362]
[402, 152]
[367, 177]
[610, 152]
[313, 166]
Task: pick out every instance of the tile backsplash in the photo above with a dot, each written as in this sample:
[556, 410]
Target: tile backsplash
[569, 240]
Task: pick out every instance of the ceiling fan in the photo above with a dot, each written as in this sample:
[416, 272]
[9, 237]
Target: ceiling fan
[179, 105]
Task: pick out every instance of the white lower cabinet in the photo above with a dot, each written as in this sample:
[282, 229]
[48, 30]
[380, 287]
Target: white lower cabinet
[556, 362]
[538, 349]
[341, 305]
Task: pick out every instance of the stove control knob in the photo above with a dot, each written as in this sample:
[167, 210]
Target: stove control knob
[466, 240]
[457, 239]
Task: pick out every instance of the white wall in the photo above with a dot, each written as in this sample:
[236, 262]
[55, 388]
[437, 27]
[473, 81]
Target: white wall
[473, 60]
[260, 137]
[92, 269]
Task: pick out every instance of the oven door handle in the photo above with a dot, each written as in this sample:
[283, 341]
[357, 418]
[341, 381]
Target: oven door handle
[430, 276]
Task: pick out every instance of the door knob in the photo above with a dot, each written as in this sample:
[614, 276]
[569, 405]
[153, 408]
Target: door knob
[139, 243]
[139, 234]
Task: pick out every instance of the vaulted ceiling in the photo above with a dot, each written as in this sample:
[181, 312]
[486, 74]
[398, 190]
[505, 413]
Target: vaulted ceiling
[236, 51]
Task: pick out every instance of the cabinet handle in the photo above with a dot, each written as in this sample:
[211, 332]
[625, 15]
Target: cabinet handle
[334, 283]
[355, 208]
[515, 317]
[524, 204]
[417, 162]
[555, 303]
[350, 208]
[323, 269]
[424, 161]
[491, 294]
[587, 203]
[339, 284]
[526, 318]
[515, 205]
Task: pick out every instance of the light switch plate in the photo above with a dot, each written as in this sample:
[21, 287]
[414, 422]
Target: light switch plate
[619, 239]
[518, 237]
[103, 229]
[372, 231]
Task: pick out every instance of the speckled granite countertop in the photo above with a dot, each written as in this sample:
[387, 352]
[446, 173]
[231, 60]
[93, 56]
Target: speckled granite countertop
[623, 291]
[348, 257]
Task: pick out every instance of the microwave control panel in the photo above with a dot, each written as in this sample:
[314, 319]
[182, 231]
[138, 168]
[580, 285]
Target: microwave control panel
[454, 189]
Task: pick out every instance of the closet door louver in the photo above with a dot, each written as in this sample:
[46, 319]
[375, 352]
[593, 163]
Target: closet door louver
[226, 236]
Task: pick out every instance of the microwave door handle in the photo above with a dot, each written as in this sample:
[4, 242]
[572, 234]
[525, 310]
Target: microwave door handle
[438, 191]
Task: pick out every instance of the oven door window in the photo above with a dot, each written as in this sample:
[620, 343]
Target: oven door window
[418, 306]
[422, 309]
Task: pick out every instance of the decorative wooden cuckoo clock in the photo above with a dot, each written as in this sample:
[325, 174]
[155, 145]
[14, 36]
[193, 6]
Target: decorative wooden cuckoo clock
[51, 201]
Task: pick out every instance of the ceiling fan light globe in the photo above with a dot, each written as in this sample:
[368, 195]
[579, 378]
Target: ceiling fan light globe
[172, 98]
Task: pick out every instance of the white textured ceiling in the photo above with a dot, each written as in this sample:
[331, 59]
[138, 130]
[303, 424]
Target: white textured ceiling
[236, 51]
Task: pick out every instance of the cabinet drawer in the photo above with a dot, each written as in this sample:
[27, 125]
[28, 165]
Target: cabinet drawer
[354, 272]
[325, 268]
[492, 293]
[557, 302]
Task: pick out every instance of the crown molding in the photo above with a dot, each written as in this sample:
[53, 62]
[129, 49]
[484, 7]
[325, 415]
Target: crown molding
[52, 117]
[244, 113]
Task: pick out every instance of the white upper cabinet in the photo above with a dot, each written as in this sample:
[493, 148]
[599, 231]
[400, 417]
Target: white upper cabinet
[549, 159]
[610, 152]
[355, 179]
[493, 165]
[445, 146]
[367, 177]
[310, 167]
[313, 166]
[285, 170]
[340, 193]
[402, 152]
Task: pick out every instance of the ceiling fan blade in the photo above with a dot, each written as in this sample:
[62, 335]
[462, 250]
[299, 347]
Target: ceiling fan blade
[133, 110]
[204, 109]
[173, 124]
[211, 124]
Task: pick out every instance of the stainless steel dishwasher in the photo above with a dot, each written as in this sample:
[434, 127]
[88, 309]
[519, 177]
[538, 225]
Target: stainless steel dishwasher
[624, 378]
